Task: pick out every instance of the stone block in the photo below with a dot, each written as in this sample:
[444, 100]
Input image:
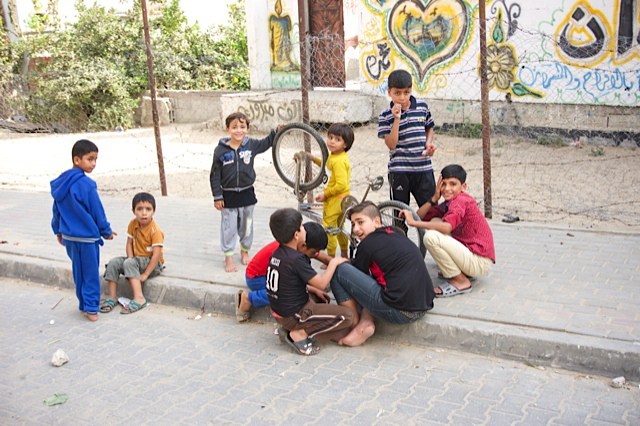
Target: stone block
[165, 111]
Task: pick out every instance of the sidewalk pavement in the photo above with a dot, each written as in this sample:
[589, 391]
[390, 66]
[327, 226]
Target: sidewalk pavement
[559, 297]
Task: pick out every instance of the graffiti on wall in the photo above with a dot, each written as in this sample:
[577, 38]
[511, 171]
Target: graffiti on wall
[501, 58]
[285, 80]
[280, 38]
[425, 35]
[261, 110]
[591, 86]
[585, 37]
[588, 60]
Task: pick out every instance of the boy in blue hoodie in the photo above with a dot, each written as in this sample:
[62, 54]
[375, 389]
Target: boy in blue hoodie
[80, 224]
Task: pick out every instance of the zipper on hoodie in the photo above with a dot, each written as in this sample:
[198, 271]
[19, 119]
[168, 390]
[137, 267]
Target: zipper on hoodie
[238, 167]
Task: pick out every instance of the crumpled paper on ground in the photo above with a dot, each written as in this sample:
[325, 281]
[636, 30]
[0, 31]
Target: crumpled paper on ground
[59, 358]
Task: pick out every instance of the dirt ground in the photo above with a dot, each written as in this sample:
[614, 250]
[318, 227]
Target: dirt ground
[587, 186]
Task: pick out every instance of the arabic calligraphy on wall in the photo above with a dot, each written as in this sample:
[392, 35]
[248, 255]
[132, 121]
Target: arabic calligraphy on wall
[586, 38]
[591, 86]
[268, 109]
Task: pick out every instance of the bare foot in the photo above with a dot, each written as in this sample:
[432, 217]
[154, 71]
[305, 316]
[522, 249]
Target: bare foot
[90, 317]
[229, 266]
[244, 256]
[340, 335]
[245, 304]
[359, 334]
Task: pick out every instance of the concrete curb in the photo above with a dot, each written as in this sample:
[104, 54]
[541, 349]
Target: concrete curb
[540, 347]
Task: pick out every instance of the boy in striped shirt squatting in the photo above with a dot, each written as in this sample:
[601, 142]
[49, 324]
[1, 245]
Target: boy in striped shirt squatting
[458, 236]
[407, 129]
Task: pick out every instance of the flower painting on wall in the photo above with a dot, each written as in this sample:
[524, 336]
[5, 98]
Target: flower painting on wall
[502, 63]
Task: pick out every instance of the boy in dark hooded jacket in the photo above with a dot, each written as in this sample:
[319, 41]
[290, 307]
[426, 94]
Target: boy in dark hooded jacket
[80, 224]
[232, 177]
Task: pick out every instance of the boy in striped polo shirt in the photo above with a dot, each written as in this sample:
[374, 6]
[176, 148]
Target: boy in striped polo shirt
[407, 129]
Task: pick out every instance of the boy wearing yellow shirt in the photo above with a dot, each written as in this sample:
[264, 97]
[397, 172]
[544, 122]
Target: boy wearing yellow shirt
[340, 140]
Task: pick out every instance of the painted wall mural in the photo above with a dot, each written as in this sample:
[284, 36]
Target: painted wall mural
[593, 54]
[558, 51]
[280, 29]
[426, 36]
[502, 61]
[283, 36]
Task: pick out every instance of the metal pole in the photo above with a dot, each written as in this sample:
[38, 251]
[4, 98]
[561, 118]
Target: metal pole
[486, 125]
[305, 86]
[154, 107]
[304, 60]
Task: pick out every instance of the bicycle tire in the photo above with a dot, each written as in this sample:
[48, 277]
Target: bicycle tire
[389, 214]
[291, 139]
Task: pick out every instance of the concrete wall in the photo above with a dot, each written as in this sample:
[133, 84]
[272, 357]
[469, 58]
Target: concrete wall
[183, 106]
[542, 52]
[545, 52]
[267, 109]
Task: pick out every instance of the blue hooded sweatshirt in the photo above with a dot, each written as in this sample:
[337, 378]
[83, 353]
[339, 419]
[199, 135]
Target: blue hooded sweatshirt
[78, 214]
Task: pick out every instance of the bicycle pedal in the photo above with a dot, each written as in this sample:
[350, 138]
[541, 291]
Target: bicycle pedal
[332, 230]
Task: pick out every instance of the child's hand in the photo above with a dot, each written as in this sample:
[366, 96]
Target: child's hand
[438, 191]
[280, 126]
[408, 217]
[396, 111]
[324, 297]
[143, 277]
[321, 198]
[110, 237]
[338, 260]
[60, 240]
[431, 149]
[218, 204]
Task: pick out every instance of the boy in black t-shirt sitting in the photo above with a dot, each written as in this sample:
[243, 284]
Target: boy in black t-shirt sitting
[387, 278]
[291, 279]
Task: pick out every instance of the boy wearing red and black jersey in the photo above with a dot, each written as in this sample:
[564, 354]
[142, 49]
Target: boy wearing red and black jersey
[388, 277]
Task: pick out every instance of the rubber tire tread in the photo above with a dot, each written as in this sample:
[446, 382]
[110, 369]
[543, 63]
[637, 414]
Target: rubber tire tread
[402, 206]
[308, 186]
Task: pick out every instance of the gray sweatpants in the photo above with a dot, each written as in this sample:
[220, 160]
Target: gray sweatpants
[129, 267]
[236, 221]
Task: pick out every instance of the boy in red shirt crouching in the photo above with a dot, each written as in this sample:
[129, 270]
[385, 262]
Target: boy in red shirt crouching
[458, 236]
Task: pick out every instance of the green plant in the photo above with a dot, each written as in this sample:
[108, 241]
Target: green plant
[90, 74]
[462, 130]
[551, 140]
[596, 151]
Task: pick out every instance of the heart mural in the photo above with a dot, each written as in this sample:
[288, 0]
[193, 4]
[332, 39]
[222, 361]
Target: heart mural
[428, 34]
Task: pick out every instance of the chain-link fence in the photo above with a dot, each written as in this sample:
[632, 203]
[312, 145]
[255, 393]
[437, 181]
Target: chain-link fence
[564, 136]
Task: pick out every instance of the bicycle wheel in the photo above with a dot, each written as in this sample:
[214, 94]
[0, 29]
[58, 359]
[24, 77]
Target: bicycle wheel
[390, 216]
[291, 140]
